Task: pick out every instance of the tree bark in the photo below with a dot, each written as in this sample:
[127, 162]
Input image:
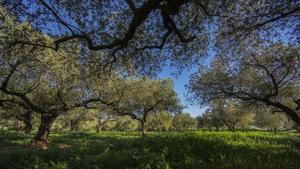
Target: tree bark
[98, 129]
[143, 126]
[227, 125]
[72, 125]
[28, 127]
[44, 129]
[99, 125]
[26, 119]
[233, 128]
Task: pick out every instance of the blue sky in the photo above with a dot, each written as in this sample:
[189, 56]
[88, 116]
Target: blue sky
[183, 79]
[179, 86]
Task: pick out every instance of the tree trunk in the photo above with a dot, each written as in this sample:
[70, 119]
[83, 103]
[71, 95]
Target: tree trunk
[99, 125]
[28, 126]
[26, 119]
[227, 125]
[72, 125]
[233, 128]
[144, 130]
[289, 112]
[42, 134]
[99, 128]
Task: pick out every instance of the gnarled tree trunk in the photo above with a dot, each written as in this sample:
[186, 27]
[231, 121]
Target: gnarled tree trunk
[41, 137]
[28, 127]
[26, 119]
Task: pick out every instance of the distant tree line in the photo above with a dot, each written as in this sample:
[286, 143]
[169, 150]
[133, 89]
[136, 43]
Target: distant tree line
[235, 115]
[220, 115]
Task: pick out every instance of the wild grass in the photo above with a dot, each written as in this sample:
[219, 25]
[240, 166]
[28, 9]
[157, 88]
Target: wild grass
[172, 150]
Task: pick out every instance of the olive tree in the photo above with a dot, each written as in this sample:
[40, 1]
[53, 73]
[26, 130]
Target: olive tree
[161, 121]
[126, 123]
[268, 118]
[184, 121]
[267, 74]
[16, 113]
[141, 97]
[235, 115]
[38, 79]
[212, 119]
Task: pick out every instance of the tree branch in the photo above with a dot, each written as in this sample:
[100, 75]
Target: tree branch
[131, 5]
[281, 16]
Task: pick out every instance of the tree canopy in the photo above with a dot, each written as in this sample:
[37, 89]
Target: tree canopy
[179, 31]
[269, 75]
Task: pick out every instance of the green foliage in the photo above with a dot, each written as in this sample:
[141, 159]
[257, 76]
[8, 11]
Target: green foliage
[143, 96]
[125, 123]
[211, 119]
[265, 74]
[231, 113]
[161, 121]
[183, 121]
[271, 121]
[173, 150]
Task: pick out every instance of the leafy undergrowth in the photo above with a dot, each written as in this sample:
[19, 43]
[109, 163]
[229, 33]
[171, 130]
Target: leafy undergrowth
[174, 150]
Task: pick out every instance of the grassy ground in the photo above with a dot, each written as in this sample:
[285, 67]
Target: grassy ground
[181, 150]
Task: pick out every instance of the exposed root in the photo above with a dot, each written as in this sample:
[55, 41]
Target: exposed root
[39, 144]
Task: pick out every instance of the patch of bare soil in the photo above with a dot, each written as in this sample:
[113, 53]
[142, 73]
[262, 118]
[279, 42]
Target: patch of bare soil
[43, 145]
[63, 146]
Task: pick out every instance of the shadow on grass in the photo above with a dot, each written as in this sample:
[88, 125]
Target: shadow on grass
[178, 151]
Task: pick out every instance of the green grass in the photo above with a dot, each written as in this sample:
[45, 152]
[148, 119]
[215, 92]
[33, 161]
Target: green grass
[178, 150]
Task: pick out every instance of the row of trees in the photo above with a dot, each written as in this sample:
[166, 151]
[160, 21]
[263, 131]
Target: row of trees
[93, 121]
[230, 115]
[59, 56]
[38, 81]
[234, 114]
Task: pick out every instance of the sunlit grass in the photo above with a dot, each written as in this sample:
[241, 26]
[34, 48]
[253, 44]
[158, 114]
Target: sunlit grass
[179, 150]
